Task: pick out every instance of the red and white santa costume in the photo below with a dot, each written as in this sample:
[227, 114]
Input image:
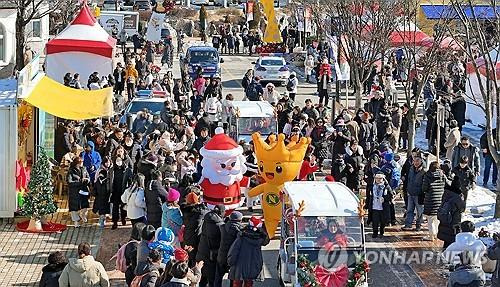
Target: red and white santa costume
[223, 168]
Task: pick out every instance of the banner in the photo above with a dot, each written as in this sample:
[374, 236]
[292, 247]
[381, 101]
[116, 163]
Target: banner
[272, 33]
[249, 11]
[153, 32]
[72, 104]
[342, 68]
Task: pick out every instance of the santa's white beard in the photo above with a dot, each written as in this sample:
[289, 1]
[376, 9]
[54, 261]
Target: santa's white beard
[217, 175]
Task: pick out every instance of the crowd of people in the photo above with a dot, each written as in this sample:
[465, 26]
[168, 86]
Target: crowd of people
[147, 172]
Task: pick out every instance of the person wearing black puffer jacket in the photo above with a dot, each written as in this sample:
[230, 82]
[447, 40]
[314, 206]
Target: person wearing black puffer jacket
[450, 213]
[210, 243]
[131, 251]
[229, 233]
[245, 255]
[433, 185]
[192, 214]
[52, 271]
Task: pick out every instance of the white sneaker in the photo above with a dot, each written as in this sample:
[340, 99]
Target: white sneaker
[77, 224]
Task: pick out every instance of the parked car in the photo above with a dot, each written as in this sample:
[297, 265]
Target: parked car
[142, 5]
[272, 69]
[138, 104]
[112, 5]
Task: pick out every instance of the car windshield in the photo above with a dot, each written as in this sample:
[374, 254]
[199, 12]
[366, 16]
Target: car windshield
[320, 231]
[202, 56]
[153, 107]
[265, 126]
[271, 62]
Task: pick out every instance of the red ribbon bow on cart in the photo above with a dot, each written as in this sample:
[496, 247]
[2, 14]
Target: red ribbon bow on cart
[336, 278]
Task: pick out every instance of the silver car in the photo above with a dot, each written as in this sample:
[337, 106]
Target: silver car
[272, 69]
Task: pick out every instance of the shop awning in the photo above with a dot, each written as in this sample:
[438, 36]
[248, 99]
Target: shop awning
[68, 103]
[448, 12]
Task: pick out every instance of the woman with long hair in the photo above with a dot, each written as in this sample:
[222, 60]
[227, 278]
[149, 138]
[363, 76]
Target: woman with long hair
[78, 191]
[133, 198]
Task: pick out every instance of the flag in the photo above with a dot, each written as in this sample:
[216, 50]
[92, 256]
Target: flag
[272, 33]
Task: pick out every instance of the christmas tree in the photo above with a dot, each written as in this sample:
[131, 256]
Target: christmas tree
[38, 201]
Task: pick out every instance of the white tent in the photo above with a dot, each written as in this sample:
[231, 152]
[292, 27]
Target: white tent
[473, 93]
[83, 47]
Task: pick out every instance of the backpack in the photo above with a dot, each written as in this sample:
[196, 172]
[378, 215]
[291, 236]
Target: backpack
[444, 213]
[121, 262]
[252, 93]
[136, 282]
[289, 85]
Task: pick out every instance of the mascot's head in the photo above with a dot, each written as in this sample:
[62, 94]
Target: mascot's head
[223, 160]
[277, 162]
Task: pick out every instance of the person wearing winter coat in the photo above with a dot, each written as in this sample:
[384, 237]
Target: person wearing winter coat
[163, 242]
[270, 94]
[155, 196]
[130, 253]
[340, 137]
[319, 140]
[450, 213]
[171, 217]
[120, 177]
[102, 193]
[367, 133]
[210, 242]
[466, 176]
[229, 233]
[84, 271]
[292, 85]
[466, 148]
[193, 212]
[379, 205]
[78, 191]
[180, 273]
[452, 139]
[148, 234]
[131, 76]
[489, 163]
[119, 76]
[494, 254]
[324, 77]
[466, 240]
[309, 67]
[339, 169]
[133, 198]
[355, 159]
[91, 159]
[150, 274]
[466, 273]
[52, 271]
[413, 185]
[433, 185]
[245, 255]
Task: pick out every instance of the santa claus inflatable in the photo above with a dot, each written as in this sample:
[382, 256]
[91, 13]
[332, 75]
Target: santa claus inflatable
[223, 168]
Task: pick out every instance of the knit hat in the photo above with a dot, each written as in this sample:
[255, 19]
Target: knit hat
[389, 156]
[236, 216]
[192, 198]
[173, 195]
[181, 255]
[164, 234]
[221, 146]
[255, 222]
[329, 178]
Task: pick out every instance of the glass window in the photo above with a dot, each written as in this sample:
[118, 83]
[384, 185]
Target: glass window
[2, 43]
[202, 56]
[265, 126]
[272, 62]
[153, 107]
[320, 231]
[37, 32]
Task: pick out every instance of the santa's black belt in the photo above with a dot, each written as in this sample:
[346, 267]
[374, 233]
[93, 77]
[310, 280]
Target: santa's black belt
[222, 200]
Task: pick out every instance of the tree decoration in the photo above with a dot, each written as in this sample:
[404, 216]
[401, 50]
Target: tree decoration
[39, 201]
[302, 206]
[359, 273]
[305, 272]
